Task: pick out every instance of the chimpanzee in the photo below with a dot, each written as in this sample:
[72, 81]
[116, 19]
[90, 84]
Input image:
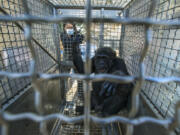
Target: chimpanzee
[107, 98]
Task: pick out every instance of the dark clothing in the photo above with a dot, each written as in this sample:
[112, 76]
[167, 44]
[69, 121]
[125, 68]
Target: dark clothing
[71, 49]
[71, 44]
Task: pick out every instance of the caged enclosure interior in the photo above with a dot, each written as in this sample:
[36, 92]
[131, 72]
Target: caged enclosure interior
[39, 90]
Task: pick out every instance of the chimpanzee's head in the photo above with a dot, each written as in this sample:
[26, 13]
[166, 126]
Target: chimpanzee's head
[103, 59]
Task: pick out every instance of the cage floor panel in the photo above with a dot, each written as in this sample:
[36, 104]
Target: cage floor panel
[74, 99]
[78, 129]
[74, 102]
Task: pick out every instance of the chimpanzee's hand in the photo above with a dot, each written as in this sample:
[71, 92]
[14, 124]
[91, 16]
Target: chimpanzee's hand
[108, 89]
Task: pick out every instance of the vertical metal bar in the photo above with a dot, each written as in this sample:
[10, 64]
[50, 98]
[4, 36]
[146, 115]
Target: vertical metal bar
[136, 90]
[121, 41]
[176, 119]
[101, 34]
[4, 129]
[125, 14]
[3, 123]
[88, 37]
[177, 114]
[58, 51]
[87, 66]
[135, 95]
[35, 84]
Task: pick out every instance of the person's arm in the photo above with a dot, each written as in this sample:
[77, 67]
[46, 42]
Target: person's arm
[78, 62]
[77, 59]
[80, 38]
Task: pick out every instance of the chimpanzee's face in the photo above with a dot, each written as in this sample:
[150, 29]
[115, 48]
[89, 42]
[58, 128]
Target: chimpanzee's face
[102, 63]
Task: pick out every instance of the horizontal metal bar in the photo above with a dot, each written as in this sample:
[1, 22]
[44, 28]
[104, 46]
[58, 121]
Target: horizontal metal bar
[110, 77]
[83, 7]
[52, 19]
[93, 77]
[38, 118]
[137, 121]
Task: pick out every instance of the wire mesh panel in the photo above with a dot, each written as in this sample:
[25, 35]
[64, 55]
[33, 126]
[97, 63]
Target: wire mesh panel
[101, 3]
[14, 52]
[74, 107]
[163, 54]
[162, 58]
[108, 36]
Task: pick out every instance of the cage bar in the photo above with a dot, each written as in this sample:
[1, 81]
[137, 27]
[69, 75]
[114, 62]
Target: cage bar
[146, 36]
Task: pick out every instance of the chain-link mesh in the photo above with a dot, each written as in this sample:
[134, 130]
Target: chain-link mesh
[143, 41]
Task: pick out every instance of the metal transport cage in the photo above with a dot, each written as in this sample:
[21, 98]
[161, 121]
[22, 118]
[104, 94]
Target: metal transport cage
[40, 91]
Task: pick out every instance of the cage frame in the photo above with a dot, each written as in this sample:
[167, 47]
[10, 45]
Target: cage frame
[171, 123]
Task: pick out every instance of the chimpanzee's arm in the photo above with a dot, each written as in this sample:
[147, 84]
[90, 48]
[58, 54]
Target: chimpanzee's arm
[117, 95]
[112, 105]
[119, 64]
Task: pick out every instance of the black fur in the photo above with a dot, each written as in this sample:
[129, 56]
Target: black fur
[110, 100]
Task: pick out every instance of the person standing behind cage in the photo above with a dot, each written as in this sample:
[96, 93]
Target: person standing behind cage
[71, 39]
